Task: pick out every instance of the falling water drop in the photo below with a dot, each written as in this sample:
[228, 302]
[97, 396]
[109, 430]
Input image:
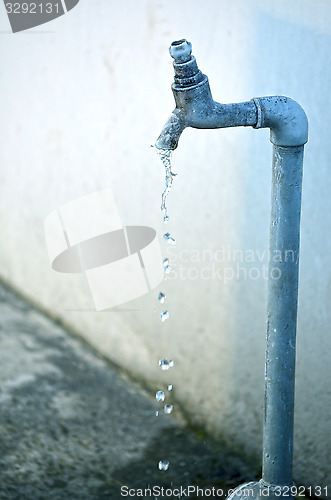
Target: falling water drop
[156, 413]
[166, 266]
[164, 315]
[169, 239]
[168, 409]
[165, 364]
[164, 465]
[161, 298]
[160, 396]
[170, 387]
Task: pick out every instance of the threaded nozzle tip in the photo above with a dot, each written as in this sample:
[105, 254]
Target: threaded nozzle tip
[181, 50]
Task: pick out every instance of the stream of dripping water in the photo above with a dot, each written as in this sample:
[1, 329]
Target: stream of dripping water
[165, 156]
[165, 364]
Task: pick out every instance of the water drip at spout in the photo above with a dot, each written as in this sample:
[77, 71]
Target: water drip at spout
[165, 156]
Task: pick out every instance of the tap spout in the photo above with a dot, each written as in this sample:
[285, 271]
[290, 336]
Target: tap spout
[171, 132]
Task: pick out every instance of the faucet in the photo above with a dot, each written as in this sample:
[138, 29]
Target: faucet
[288, 126]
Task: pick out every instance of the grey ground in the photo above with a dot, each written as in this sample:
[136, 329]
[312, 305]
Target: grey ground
[73, 427]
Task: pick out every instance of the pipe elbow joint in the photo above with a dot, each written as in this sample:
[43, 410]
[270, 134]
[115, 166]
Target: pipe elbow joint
[286, 119]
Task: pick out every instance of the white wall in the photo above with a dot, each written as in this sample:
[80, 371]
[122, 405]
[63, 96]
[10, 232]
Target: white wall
[82, 100]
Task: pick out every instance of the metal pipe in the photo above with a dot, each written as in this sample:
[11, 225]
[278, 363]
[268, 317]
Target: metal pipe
[282, 315]
[288, 125]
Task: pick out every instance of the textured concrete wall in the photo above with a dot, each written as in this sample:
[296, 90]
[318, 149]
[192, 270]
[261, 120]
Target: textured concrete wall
[82, 100]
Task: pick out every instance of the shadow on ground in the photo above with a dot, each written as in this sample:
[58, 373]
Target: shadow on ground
[72, 427]
[193, 463]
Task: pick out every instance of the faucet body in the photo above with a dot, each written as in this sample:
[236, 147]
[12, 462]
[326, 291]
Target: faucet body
[196, 108]
[288, 125]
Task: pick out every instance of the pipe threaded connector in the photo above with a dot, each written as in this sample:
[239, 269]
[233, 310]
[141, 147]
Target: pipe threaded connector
[187, 73]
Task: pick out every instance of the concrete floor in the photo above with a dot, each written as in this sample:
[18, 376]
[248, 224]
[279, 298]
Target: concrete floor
[73, 427]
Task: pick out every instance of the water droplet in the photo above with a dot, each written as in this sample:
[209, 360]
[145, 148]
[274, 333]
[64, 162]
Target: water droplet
[168, 409]
[170, 387]
[169, 239]
[156, 413]
[165, 364]
[160, 396]
[166, 266]
[164, 465]
[164, 316]
[161, 298]
[166, 219]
